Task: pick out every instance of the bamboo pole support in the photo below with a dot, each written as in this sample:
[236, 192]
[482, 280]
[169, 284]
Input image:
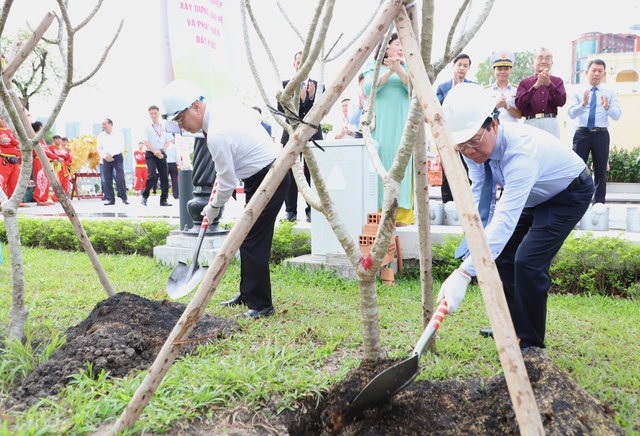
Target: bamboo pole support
[522, 398]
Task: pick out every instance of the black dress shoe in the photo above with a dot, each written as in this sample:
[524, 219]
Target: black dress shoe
[164, 203]
[125, 201]
[110, 203]
[235, 301]
[254, 313]
[291, 217]
[486, 333]
[143, 201]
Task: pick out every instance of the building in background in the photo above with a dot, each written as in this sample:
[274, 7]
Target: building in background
[595, 43]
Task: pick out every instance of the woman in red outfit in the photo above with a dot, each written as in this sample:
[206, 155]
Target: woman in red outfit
[62, 151]
[9, 158]
[40, 179]
[141, 172]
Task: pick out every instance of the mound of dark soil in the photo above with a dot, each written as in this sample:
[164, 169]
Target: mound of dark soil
[122, 333]
[480, 407]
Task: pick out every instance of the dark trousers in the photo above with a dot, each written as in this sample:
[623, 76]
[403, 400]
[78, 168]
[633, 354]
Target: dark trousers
[172, 168]
[524, 263]
[121, 186]
[445, 190]
[291, 200]
[596, 143]
[157, 168]
[255, 280]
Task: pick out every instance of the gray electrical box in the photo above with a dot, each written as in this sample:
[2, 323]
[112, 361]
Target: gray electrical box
[352, 183]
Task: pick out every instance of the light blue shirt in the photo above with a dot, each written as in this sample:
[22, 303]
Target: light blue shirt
[157, 135]
[173, 155]
[581, 113]
[532, 166]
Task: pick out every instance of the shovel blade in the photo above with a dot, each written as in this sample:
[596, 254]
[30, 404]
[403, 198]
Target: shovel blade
[181, 282]
[388, 383]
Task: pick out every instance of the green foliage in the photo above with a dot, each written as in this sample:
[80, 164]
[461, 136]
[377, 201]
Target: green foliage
[623, 165]
[444, 261]
[18, 359]
[521, 68]
[585, 265]
[113, 236]
[326, 128]
[287, 243]
[597, 266]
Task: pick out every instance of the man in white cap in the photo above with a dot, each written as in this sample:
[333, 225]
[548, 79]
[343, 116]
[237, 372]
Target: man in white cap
[502, 91]
[241, 149]
[547, 190]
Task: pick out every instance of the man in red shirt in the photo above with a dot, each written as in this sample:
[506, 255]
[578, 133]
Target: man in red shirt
[141, 172]
[9, 158]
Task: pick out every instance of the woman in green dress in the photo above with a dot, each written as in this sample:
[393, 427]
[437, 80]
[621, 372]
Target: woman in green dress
[391, 110]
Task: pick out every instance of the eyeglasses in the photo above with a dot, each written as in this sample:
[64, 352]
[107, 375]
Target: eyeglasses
[471, 143]
[178, 119]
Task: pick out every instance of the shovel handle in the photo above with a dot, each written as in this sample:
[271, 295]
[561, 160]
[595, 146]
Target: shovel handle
[203, 230]
[432, 327]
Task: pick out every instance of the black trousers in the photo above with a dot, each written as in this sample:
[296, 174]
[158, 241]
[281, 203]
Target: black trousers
[121, 185]
[596, 143]
[524, 262]
[255, 279]
[156, 168]
[291, 200]
[445, 190]
[172, 168]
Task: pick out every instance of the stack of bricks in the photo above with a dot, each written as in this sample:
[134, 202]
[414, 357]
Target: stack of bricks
[368, 237]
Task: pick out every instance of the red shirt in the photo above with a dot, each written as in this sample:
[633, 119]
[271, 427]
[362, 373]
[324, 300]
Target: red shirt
[10, 148]
[139, 157]
[62, 152]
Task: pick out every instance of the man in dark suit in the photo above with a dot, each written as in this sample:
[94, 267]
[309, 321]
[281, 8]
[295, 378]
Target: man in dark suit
[461, 65]
[307, 98]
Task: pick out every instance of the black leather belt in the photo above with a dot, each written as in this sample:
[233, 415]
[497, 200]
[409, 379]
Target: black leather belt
[529, 117]
[594, 130]
[259, 175]
[581, 179]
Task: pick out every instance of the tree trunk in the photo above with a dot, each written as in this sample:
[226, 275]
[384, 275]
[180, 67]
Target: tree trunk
[19, 311]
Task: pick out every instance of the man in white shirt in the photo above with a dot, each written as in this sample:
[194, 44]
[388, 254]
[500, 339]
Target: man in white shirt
[502, 90]
[592, 135]
[111, 147]
[547, 190]
[157, 140]
[173, 167]
[241, 149]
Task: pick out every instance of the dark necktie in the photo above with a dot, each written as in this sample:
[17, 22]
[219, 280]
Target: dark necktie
[484, 206]
[591, 121]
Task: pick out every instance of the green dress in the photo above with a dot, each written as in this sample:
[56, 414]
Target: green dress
[391, 111]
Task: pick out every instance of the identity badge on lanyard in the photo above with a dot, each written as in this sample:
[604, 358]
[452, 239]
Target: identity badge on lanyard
[158, 132]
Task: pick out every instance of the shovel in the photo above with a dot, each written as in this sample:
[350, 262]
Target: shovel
[394, 379]
[183, 278]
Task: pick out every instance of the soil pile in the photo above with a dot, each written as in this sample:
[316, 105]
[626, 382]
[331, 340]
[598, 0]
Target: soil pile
[481, 407]
[122, 333]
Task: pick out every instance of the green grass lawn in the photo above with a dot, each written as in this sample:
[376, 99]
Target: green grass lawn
[312, 341]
